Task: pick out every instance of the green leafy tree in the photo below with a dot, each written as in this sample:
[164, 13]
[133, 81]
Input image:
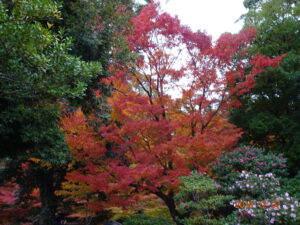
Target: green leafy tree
[271, 111]
[37, 76]
[97, 28]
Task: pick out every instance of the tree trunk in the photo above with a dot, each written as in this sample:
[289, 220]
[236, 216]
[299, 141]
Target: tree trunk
[48, 198]
[169, 201]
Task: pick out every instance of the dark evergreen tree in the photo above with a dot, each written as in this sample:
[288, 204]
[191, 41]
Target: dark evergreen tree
[270, 115]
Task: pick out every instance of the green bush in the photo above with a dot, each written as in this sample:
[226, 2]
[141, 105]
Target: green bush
[200, 201]
[141, 219]
[292, 186]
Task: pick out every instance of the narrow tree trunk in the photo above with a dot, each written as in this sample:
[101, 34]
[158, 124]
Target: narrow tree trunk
[169, 201]
[48, 198]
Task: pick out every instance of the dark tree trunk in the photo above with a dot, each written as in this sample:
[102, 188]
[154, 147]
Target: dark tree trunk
[48, 198]
[169, 201]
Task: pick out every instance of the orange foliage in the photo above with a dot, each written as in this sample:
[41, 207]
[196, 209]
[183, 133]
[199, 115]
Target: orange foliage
[155, 138]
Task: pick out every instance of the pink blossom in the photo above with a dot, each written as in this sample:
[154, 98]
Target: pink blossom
[218, 186]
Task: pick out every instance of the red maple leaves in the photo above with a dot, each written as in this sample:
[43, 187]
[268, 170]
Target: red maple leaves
[154, 138]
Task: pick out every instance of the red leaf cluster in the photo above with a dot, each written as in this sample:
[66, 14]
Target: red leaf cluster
[154, 138]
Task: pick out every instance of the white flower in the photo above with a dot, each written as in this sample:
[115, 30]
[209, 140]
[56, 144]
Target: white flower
[286, 194]
[269, 175]
[293, 215]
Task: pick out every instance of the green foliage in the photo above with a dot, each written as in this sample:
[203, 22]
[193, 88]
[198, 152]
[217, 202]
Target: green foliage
[259, 186]
[35, 72]
[37, 76]
[270, 113]
[141, 219]
[200, 200]
[97, 28]
[250, 159]
[292, 186]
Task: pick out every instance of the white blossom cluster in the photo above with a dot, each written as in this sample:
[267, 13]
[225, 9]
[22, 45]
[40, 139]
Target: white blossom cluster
[274, 208]
[253, 182]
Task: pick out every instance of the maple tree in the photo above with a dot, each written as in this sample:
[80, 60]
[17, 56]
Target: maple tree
[154, 138]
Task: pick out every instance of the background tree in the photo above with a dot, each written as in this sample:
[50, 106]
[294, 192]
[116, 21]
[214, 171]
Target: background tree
[97, 28]
[270, 113]
[36, 76]
[40, 76]
[156, 138]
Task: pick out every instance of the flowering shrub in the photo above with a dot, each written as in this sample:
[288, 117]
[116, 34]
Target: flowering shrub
[258, 186]
[275, 209]
[268, 213]
[270, 205]
[253, 177]
[246, 158]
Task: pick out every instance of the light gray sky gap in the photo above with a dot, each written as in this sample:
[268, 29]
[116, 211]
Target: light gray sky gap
[213, 16]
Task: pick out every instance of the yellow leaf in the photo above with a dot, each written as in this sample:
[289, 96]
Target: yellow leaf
[35, 160]
[49, 25]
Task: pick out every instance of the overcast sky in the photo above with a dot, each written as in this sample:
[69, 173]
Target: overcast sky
[213, 16]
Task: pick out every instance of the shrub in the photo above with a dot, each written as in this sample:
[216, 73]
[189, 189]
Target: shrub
[141, 219]
[258, 186]
[292, 186]
[200, 201]
[270, 205]
[253, 176]
[246, 158]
